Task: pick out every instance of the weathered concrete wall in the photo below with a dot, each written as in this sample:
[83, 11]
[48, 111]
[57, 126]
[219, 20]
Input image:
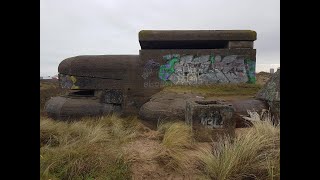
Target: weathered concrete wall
[210, 117]
[271, 94]
[114, 75]
[65, 108]
[166, 106]
[197, 67]
[99, 72]
[196, 39]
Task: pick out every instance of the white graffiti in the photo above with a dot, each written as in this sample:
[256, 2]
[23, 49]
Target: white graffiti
[192, 70]
[212, 120]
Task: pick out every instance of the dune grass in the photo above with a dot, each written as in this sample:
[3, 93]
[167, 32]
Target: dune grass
[86, 149]
[92, 148]
[254, 154]
[176, 140]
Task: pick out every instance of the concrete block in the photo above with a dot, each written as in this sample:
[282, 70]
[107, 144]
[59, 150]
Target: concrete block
[210, 119]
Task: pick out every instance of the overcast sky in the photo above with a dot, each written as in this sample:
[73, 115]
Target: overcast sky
[95, 27]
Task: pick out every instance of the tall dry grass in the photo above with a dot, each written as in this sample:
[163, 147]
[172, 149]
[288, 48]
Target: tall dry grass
[254, 154]
[86, 149]
[176, 141]
[93, 149]
[48, 89]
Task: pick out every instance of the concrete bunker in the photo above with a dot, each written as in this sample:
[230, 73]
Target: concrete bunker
[100, 84]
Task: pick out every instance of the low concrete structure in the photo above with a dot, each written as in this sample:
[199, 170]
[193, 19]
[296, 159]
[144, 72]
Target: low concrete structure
[212, 117]
[107, 82]
[271, 70]
[167, 106]
[182, 57]
[68, 107]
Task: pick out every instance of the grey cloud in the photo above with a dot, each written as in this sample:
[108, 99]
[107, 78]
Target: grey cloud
[75, 27]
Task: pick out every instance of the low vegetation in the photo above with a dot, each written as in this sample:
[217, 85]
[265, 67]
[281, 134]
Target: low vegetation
[86, 149]
[176, 140]
[48, 89]
[97, 148]
[93, 149]
[254, 154]
[262, 77]
[218, 89]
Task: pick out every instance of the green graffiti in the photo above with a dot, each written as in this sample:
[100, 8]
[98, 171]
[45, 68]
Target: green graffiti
[167, 69]
[251, 71]
[212, 59]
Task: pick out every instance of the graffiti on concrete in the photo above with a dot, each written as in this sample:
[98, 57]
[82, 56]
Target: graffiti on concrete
[148, 68]
[68, 81]
[113, 96]
[212, 119]
[167, 69]
[206, 69]
[251, 69]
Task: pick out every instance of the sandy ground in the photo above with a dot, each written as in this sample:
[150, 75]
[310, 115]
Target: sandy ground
[141, 153]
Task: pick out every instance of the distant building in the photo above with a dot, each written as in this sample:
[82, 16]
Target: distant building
[46, 77]
[271, 70]
[41, 77]
[55, 77]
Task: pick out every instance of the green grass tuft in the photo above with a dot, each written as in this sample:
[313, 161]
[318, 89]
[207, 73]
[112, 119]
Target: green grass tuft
[177, 139]
[255, 154]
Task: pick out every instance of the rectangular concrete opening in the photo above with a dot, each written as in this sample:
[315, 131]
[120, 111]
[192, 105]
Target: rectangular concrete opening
[82, 93]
